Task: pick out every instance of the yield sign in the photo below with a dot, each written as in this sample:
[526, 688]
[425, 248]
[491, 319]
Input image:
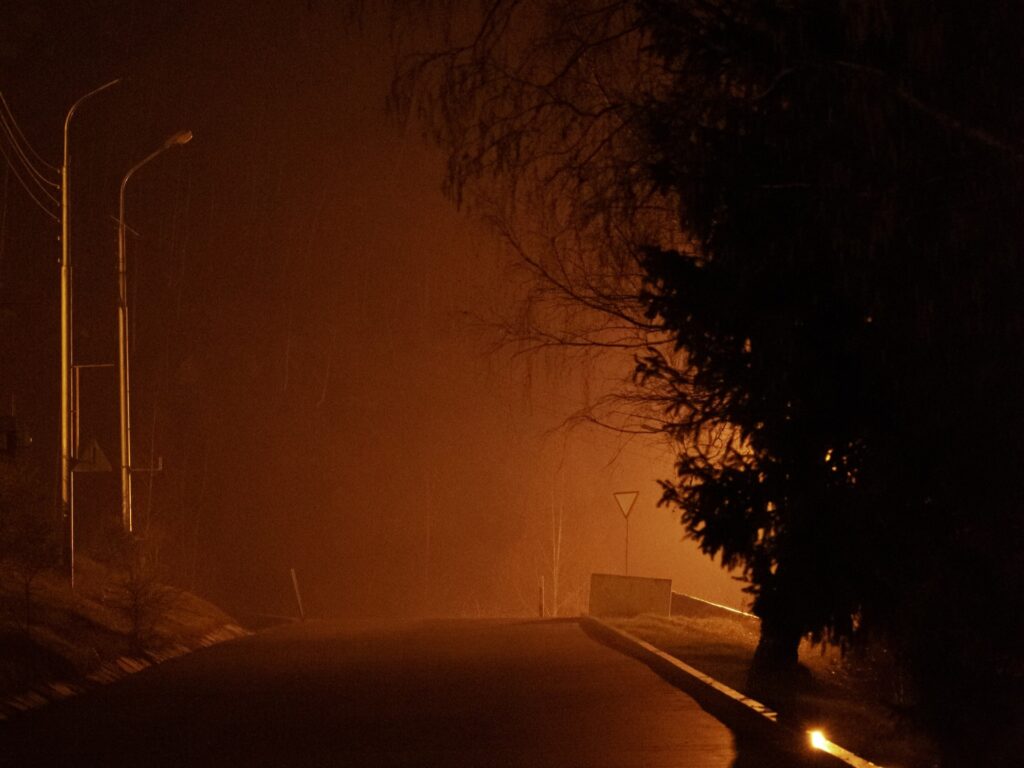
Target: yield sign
[626, 500]
[91, 459]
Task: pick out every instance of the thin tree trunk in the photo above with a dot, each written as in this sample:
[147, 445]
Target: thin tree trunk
[781, 629]
[778, 645]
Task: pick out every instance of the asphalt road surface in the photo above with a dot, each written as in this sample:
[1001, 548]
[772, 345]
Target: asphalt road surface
[442, 693]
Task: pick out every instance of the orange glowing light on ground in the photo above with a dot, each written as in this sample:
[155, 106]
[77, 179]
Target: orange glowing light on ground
[820, 742]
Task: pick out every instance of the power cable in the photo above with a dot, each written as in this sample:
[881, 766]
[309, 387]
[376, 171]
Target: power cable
[36, 176]
[27, 143]
[25, 186]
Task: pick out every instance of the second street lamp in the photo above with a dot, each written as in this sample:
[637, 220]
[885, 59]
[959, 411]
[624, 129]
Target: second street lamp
[178, 139]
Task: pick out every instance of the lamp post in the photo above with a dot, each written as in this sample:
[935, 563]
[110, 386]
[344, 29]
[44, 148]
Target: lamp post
[66, 447]
[178, 139]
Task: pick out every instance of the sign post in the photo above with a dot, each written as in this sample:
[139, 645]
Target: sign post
[626, 500]
[298, 596]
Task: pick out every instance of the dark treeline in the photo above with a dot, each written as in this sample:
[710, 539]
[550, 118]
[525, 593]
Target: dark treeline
[852, 308]
[805, 218]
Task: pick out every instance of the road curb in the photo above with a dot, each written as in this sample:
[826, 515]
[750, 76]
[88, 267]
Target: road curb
[109, 672]
[746, 717]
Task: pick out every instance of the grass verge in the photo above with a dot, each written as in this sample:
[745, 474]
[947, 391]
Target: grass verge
[830, 692]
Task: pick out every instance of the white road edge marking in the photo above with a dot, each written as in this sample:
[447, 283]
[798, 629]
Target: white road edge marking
[824, 744]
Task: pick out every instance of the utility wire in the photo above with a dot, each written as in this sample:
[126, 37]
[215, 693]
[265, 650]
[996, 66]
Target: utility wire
[36, 176]
[27, 143]
[13, 131]
[25, 186]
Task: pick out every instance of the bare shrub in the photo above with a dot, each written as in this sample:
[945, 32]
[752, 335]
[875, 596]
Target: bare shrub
[144, 598]
[29, 530]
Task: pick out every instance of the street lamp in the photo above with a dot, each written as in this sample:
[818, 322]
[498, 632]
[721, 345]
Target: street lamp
[178, 139]
[66, 447]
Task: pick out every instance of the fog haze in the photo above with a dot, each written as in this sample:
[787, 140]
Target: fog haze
[312, 352]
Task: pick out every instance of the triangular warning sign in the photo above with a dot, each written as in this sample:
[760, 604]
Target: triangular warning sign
[91, 458]
[626, 500]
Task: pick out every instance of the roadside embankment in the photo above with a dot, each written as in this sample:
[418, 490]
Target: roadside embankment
[55, 641]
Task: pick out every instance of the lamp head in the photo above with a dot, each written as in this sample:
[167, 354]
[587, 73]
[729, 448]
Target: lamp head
[181, 137]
